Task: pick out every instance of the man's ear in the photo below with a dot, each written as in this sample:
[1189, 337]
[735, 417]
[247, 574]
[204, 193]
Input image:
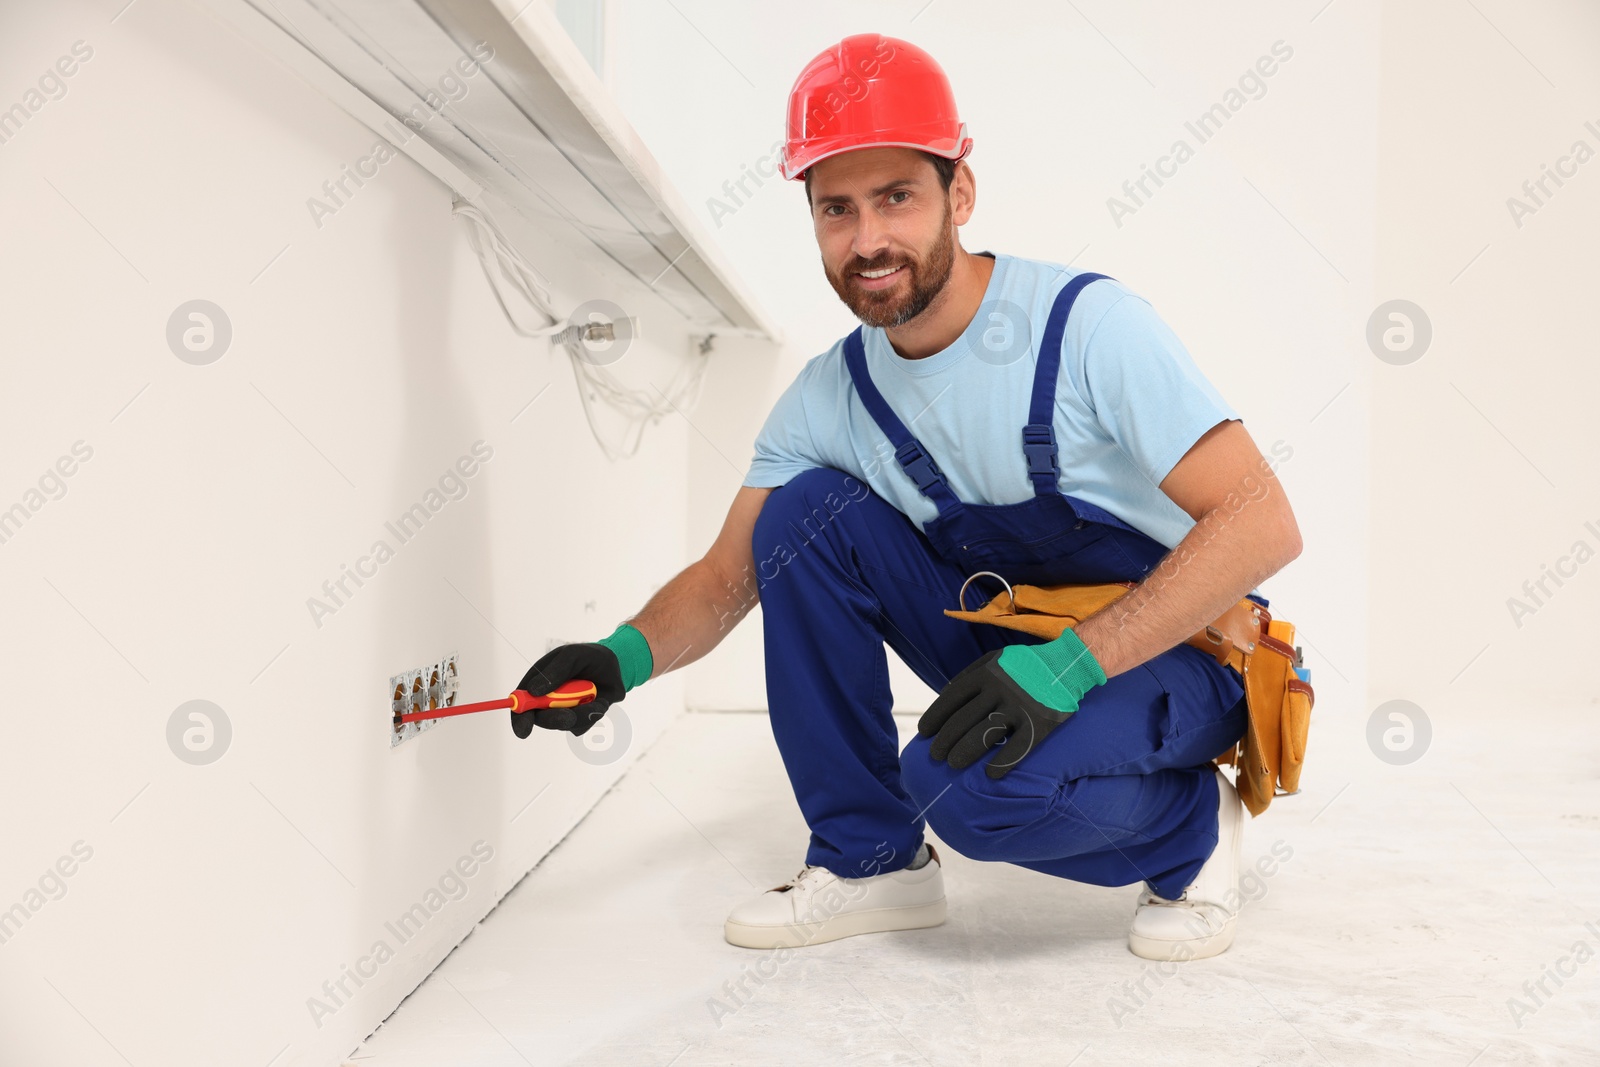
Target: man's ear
[963, 194]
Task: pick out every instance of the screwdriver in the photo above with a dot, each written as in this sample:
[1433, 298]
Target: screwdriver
[566, 695]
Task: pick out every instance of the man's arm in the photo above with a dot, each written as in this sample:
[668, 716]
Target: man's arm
[682, 622]
[693, 612]
[1244, 532]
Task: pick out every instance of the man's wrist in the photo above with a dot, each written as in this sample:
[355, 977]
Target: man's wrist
[633, 655]
[1057, 672]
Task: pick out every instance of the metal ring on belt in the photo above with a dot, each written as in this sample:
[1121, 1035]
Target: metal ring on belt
[961, 597]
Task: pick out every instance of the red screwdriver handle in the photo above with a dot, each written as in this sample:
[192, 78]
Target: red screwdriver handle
[566, 695]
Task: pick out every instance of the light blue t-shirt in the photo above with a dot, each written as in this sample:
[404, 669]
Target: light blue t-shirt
[1129, 403]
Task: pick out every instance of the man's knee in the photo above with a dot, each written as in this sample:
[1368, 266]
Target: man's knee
[806, 505]
[812, 507]
[972, 813]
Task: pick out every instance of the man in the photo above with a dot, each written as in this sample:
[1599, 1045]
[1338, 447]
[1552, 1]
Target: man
[1062, 435]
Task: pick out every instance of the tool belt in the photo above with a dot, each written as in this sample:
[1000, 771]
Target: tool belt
[1245, 637]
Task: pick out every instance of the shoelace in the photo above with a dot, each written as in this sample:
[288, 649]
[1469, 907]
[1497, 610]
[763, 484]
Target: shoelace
[1183, 899]
[1156, 898]
[794, 883]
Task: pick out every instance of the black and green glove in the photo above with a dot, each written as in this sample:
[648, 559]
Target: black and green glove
[614, 664]
[1013, 697]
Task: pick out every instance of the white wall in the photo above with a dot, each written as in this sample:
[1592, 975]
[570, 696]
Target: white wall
[1484, 463]
[364, 361]
[1060, 120]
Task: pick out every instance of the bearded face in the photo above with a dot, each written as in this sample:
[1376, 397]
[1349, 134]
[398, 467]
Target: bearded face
[885, 230]
[897, 298]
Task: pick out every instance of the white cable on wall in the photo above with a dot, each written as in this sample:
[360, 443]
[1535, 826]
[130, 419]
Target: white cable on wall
[503, 265]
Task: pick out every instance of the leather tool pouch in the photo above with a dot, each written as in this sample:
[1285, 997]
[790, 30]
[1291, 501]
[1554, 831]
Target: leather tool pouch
[1245, 637]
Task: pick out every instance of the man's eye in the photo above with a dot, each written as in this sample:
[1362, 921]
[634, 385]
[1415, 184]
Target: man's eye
[898, 192]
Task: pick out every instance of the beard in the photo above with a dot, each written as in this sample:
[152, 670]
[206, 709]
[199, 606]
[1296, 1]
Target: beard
[898, 304]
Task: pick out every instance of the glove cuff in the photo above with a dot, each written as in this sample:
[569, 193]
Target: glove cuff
[1056, 673]
[633, 655]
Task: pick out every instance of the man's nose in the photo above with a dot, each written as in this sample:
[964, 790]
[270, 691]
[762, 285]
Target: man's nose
[872, 236]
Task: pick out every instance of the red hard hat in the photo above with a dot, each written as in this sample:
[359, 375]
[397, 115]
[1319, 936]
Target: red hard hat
[870, 90]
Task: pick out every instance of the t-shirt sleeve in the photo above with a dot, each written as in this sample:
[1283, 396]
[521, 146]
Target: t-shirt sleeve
[1146, 391]
[785, 446]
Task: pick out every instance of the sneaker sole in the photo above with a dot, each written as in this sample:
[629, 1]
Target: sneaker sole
[797, 935]
[1199, 948]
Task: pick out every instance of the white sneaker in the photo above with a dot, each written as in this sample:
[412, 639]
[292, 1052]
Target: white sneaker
[1201, 921]
[817, 905]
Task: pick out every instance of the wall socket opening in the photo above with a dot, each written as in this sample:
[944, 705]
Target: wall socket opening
[421, 689]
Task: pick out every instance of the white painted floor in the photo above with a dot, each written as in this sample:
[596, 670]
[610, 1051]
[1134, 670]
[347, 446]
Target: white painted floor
[1417, 901]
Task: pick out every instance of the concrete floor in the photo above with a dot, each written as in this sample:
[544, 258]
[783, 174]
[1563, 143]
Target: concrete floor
[1414, 903]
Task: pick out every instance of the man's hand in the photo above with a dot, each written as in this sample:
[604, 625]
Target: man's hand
[593, 662]
[1015, 697]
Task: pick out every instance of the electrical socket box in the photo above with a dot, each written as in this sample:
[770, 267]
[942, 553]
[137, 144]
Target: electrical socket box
[423, 689]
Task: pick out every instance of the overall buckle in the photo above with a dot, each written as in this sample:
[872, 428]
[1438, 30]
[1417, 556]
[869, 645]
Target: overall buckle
[916, 462]
[1039, 445]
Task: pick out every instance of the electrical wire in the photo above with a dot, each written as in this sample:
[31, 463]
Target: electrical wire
[502, 264]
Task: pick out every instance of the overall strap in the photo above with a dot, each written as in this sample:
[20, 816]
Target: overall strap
[913, 458]
[1039, 436]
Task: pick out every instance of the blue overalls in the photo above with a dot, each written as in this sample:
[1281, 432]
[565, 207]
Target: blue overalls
[1120, 792]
